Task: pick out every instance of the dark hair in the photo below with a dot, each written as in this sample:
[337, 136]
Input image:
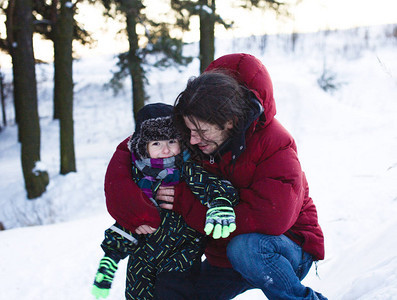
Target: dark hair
[214, 97]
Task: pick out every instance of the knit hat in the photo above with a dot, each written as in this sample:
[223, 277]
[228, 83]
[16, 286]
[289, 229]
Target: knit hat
[153, 123]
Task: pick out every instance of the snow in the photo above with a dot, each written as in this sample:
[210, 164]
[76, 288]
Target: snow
[39, 167]
[205, 8]
[347, 143]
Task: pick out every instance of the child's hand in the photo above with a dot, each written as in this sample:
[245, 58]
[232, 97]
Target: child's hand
[220, 219]
[145, 229]
[104, 277]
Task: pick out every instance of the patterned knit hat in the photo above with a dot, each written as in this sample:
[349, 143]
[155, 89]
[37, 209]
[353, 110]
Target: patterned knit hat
[154, 123]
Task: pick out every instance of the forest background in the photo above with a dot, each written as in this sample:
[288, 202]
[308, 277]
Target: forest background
[335, 92]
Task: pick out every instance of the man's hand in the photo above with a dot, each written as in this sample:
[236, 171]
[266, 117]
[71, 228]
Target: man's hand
[145, 229]
[166, 194]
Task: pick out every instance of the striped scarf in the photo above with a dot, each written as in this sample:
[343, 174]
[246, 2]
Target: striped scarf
[150, 173]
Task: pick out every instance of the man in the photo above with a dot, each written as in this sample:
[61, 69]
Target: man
[227, 117]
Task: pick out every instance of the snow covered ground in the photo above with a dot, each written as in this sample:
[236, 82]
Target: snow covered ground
[347, 143]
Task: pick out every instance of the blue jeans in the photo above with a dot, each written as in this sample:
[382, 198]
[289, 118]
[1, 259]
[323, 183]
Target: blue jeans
[274, 264]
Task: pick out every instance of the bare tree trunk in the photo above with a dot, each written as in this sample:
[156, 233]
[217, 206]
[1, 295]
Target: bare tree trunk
[25, 95]
[132, 9]
[63, 78]
[2, 96]
[11, 44]
[54, 17]
[207, 34]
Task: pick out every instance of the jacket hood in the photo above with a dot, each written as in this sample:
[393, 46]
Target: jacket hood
[250, 71]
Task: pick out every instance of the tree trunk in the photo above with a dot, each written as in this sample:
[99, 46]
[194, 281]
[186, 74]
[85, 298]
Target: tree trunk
[54, 17]
[207, 34]
[63, 76]
[2, 96]
[25, 94]
[56, 107]
[131, 10]
[11, 43]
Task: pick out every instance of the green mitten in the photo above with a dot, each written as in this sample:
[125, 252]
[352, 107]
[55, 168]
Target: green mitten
[104, 277]
[220, 218]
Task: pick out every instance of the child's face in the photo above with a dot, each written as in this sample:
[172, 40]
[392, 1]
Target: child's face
[163, 149]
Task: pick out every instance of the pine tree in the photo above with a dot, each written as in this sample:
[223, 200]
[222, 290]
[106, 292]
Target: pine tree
[165, 49]
[46, 15]
[57, 23]
[206, 10]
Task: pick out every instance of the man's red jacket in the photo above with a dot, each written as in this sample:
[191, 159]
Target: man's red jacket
[274, 193]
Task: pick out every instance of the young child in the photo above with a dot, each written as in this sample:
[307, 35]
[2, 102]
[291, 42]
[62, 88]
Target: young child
[158, 159]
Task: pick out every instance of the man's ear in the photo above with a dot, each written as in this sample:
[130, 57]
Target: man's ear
[229, 124]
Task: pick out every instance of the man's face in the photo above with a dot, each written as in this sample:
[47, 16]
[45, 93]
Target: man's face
[208, 137]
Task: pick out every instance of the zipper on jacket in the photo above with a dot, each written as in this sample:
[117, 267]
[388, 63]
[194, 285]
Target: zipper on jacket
[212, 160]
